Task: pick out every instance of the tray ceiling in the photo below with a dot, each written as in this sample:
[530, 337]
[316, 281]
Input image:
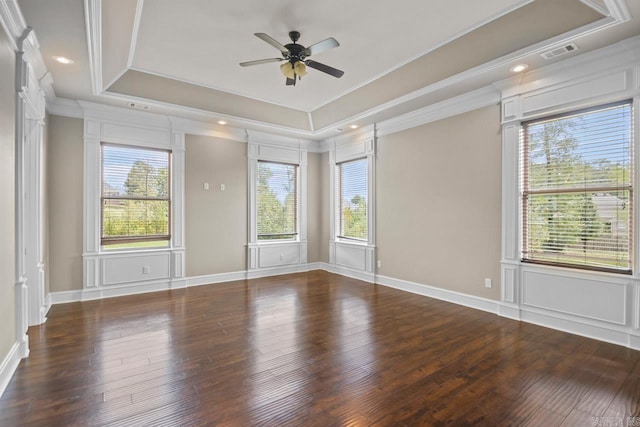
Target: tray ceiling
[185, 54]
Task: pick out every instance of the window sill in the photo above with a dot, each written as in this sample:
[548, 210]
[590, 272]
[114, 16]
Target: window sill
[351, 242]
[578, 273]
[134, 250]
[276, 242]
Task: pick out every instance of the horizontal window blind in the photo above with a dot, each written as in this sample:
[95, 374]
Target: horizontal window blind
[135, 197]
[277, 201]
[352, 180]
[577, 189]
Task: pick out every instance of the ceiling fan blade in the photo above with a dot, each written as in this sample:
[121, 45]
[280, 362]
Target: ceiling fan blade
[324, 68]
[260, 61]
[325, 44]
[267, 38]
[290, 82]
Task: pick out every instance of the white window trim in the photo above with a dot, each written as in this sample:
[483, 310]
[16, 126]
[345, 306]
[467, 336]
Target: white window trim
[148, 269]
[271, 255]
[352, 257]
[561, 297]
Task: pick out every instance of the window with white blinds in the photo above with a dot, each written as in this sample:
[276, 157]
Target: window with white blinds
[277, 201]
[352, 187]
[577, 189]
[135, 199]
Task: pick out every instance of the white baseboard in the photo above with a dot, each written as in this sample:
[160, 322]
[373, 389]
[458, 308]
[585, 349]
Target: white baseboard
[216, 278]
[62, 297]
[459, 298]
[276, 271]
[9, 366]
[620, 336]
[317, 266]
[349, 272]
[512, 311]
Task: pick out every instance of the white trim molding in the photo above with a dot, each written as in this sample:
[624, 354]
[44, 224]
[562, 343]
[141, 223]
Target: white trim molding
[9, 365]
[265, 256]
[351, 258]
[470, 101]
[113, 272]
[605, 306]
[459, 298]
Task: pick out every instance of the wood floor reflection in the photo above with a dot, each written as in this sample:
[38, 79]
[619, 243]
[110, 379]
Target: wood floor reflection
[311, 349]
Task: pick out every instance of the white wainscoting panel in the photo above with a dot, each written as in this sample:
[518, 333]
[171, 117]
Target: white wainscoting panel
[272, 255]
[119, 269]
[596, 299]
[351, 255]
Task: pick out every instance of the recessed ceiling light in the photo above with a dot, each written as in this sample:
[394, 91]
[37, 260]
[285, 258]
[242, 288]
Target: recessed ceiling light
[222, 122]
[354, 126]
[518, 68]
[63, 60]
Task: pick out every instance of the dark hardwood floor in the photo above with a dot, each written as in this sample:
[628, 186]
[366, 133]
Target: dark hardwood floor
[311, 349]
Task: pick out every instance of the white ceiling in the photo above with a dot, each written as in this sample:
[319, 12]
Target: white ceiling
[202, 41]
[181, 57]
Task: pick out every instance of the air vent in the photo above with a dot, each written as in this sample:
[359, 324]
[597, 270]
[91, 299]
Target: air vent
[138, 106]
[559, 51]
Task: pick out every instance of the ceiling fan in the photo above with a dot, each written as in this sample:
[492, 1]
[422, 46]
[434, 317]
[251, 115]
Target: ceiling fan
[296, 56]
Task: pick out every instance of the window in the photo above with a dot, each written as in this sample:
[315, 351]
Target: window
[277, 201]
[135, 199]
[352, 185]
[577, 189]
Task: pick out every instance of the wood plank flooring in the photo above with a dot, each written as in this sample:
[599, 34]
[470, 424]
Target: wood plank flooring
[311, 349]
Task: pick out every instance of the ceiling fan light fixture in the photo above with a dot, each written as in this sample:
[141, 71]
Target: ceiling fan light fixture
[296, 57]
[300, 69]
[288, 71]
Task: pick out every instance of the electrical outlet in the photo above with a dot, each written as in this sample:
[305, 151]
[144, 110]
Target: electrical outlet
[379, 264]
[222, 187]
[146, 269]
[206, 186]
[487, 283]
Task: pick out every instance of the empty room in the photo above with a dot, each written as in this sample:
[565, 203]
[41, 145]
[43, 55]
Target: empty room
[319, 213]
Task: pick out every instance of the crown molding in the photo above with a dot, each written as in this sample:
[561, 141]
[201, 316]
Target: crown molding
[194, 127]
[205, 116]
[134, 35]
[474, 100]
[358, 135]
[23, 39]
[93, 20]
[618, 10]
[81, 109]
[12, 21]
[65, 107]
[619, 55]
[263, 138]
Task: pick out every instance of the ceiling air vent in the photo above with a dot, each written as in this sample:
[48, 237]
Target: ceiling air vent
[559, 51]
[138, 106]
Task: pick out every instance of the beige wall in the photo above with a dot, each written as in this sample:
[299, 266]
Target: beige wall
[7, 197]
[64, 191]
[438, 192]
[314, 206]
[216, 221]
